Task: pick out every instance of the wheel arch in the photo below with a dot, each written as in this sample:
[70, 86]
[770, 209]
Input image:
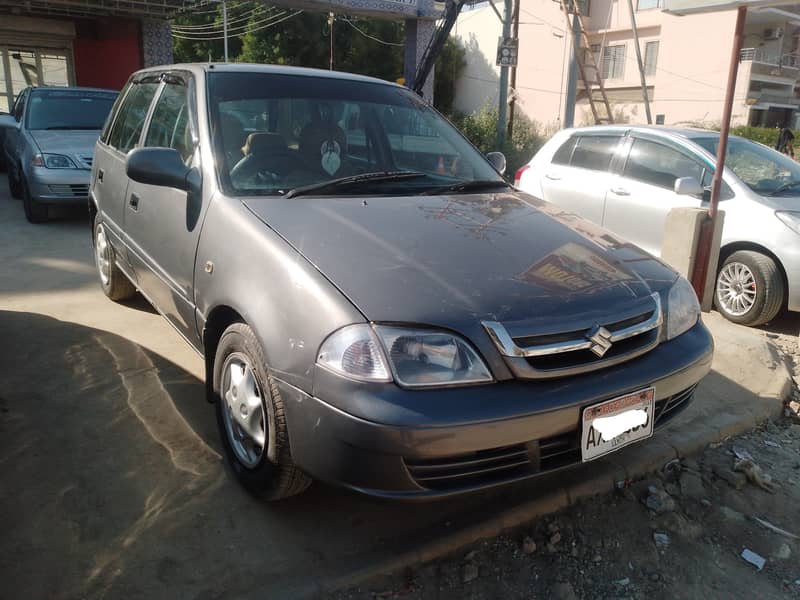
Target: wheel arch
[219, 319]
[728, 249]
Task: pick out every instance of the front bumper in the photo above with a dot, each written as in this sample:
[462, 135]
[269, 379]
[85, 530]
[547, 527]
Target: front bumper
[58, 186]
[498, 433]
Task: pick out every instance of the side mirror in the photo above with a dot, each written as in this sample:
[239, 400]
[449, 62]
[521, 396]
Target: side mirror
[498, 160]
[161, 166]
[8, 121]
[688, 186]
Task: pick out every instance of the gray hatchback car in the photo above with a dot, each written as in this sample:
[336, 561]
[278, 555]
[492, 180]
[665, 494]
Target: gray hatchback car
[48, 144]
[376, 306]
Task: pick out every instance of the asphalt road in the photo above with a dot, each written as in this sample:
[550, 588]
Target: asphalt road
[112, 480]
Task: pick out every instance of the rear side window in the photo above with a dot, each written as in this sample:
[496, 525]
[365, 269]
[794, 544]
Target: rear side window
[564, 153]
[595, 152]
[660, 165]
[169, 125]
[128, 125]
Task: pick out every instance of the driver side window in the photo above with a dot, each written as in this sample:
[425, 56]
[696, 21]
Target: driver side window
[169, 125]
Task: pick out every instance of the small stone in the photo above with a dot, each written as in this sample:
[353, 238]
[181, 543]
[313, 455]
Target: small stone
[469, 573]
[470, 556]
[705, 502]
[731, 515]
[528, 545]
[654, 577]
[574, 552]
[622, 582]
[734, 479]
[659, 501]
[551, 548]
[661, 539]
[552, 527]
[555, 538]
[692, 485]
[564, 591]
[783, 553]
[597, 558]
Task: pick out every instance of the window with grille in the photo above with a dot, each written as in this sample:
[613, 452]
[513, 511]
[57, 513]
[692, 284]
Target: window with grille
[612, 62]
[650, 58]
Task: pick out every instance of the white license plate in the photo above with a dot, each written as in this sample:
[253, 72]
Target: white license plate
[613, 424]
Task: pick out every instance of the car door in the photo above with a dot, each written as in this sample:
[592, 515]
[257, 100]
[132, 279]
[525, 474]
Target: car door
[641, 195]
[163, 224]
[13, 137]
[110, 181]
[578, 175]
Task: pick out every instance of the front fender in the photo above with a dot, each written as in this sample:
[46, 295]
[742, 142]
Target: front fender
[287, 302]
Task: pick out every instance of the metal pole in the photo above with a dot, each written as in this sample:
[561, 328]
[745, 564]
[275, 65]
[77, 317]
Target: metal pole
[330, 22]
[572, 74]
[502, 102]
[700, 271]
[512, 103]
[639, 61]
[225, 27]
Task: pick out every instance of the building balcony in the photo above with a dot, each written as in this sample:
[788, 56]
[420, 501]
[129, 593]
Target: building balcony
[770, 58]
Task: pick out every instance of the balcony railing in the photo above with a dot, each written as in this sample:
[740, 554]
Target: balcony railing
[770, 57]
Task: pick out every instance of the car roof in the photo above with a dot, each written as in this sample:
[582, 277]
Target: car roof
[681, 132]
[72, 88]
[272, 69]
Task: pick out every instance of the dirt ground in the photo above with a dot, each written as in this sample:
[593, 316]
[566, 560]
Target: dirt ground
[678, 534]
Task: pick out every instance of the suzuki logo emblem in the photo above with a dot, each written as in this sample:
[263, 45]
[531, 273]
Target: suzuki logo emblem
[600, 338]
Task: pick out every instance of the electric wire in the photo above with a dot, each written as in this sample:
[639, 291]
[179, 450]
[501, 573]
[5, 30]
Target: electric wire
[366, 35]
[240, 33]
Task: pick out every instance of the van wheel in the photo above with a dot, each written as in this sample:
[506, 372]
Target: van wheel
[35, 212]
[114, 282]
[750, 289]
[251, 419]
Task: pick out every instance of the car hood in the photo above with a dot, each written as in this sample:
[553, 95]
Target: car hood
[77, 143]
[452, 260]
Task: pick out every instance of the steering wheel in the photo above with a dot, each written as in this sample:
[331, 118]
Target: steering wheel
[271, 165]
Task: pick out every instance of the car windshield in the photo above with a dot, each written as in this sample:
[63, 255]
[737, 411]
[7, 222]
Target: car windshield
[275, 133]
[69, 109]
[764, 170]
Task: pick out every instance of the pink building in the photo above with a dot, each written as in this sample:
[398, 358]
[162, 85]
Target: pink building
[685, 58]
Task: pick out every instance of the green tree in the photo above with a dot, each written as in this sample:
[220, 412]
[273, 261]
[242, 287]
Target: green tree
[449, 67]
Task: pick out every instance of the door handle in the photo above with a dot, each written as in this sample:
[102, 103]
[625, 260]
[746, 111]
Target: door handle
[134, 201]
[100, 174]
[553, 177]
[620, 192]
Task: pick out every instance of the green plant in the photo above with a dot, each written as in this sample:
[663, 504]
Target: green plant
[481, 129]
[765, 135]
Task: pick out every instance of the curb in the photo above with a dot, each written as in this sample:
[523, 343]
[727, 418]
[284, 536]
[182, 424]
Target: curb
[630, 463]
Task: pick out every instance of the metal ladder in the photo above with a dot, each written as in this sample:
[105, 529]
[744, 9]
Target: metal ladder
[581, 53]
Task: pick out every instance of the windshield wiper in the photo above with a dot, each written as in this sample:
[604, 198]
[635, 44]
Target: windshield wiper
[73, 128]
[784, 187]
[469, 186]
[352, 180]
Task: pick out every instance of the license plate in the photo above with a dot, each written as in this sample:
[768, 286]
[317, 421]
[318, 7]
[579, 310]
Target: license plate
[613, 424]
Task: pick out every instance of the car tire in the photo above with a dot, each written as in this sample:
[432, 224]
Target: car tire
[749, 289]
[14, 186]
[113, 281]
[251, 418]
[35, 212]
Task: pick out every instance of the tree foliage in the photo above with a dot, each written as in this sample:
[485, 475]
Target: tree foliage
[304, 41]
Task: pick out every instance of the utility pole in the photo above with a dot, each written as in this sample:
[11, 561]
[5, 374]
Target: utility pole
[513, 102]
[225, 27]
[641, 65]
[502, 102]
[572, 75]
[331, 19]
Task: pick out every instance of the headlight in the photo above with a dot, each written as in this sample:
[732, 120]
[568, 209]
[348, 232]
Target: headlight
[421, 357]
[53, 161]
[354, 352]
[683, 309]
[790, 219]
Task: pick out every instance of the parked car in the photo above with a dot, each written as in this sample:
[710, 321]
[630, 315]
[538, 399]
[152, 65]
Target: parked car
[627, 179]
[48, 144]
[381, 311]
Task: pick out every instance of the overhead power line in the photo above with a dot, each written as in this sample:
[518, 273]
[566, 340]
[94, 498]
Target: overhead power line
[215, 25]
[240, 33]
[366, 35]
[231, 30]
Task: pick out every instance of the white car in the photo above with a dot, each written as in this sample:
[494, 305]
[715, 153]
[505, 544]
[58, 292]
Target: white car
[628, 178]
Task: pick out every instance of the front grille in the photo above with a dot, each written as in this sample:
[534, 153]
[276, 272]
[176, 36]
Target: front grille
[517, 461]
[87, 160]
[586, 346]
[70, 191]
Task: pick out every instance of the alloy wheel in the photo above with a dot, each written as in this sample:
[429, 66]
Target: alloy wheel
[243, 411]
[736, 288]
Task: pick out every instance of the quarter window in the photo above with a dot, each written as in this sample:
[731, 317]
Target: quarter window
[169, 125]
[595, 152]
[659, 165]
[564, 153]
[128, 125]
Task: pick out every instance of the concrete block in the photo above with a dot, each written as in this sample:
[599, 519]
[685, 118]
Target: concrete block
[713, 263]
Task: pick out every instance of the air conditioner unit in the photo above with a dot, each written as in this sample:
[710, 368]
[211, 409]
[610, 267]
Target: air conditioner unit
[773, 33]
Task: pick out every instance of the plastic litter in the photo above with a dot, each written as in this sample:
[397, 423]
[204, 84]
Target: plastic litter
[741, 453]
[754, 559]
[661, 539]
[776, 529]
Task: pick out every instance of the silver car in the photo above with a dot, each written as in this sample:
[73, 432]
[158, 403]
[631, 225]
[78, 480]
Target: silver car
[49, 142]
[624, 178]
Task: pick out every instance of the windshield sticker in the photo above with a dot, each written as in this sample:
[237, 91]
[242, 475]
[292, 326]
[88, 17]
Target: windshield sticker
[331, 151]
